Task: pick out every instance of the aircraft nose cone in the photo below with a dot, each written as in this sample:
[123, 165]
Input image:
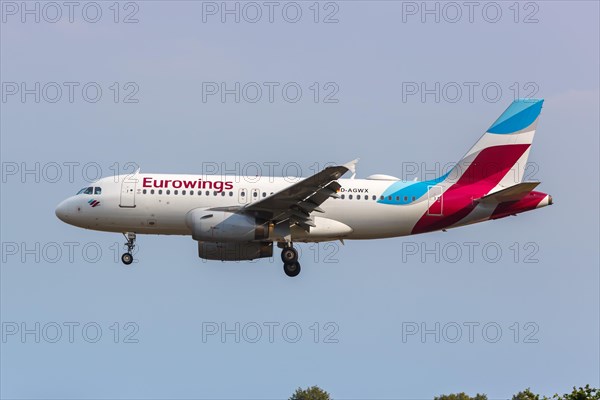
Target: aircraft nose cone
[62, 211]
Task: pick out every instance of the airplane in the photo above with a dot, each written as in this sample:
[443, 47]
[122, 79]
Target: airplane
[235, 219]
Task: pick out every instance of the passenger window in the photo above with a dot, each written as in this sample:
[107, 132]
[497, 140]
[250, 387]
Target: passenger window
[254, 194]
[405, 198]
[191, 192]
[374, 197]
[230, 194]
[159, 191]
[182, 192]
[168, 192]
[389, 197]
[358, 197]
[343, 196]
[151, 191]
[413, 198]
[222, 193]
[264, 194]
[175, 191]
[381, 198]
[350, 197]
[97, 190]
[144, 191]
[208, 192]
[397, 198]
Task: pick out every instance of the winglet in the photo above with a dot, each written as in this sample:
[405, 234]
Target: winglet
[352, 167]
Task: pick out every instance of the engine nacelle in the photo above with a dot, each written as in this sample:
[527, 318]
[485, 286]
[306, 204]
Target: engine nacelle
[234, 251]
[223, 226]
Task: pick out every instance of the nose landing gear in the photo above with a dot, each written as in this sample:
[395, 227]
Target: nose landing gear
[289, 256]
[127, 258]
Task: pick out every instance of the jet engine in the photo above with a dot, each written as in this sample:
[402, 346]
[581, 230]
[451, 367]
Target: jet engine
[223, 226]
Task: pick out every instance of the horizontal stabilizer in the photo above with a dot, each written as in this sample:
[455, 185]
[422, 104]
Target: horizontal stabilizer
[513, 193]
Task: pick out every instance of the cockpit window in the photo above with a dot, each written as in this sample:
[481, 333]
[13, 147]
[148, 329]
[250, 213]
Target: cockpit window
[97, 190]
[87, 190]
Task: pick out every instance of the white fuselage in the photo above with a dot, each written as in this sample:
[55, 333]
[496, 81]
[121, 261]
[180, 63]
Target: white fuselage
[131, 207]
[364, 208]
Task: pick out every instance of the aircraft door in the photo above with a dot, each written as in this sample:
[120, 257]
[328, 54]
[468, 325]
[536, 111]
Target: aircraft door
[128, 193]
[435, 201]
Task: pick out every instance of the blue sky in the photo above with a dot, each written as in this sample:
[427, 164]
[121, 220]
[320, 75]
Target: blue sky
[535, 277]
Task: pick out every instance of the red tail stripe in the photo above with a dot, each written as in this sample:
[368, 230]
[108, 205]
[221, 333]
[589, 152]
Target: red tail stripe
[484, 173]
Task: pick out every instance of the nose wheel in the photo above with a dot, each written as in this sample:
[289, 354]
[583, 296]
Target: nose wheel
[127, 258]
[289, 256]
[291, 269]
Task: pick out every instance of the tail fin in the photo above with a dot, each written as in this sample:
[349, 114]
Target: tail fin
[500, 156]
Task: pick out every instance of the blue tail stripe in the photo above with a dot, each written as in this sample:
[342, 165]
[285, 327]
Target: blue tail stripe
[519, 115]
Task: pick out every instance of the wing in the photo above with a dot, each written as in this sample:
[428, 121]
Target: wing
[296, 202]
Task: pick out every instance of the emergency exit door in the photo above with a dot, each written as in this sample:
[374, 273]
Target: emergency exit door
[436, 201]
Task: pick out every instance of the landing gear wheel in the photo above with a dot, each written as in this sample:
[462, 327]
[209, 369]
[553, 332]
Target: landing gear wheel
[127, 258]
[291, 268]
[289, 255]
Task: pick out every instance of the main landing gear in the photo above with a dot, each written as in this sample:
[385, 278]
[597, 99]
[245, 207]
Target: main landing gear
[289, 256]
[127, 258]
